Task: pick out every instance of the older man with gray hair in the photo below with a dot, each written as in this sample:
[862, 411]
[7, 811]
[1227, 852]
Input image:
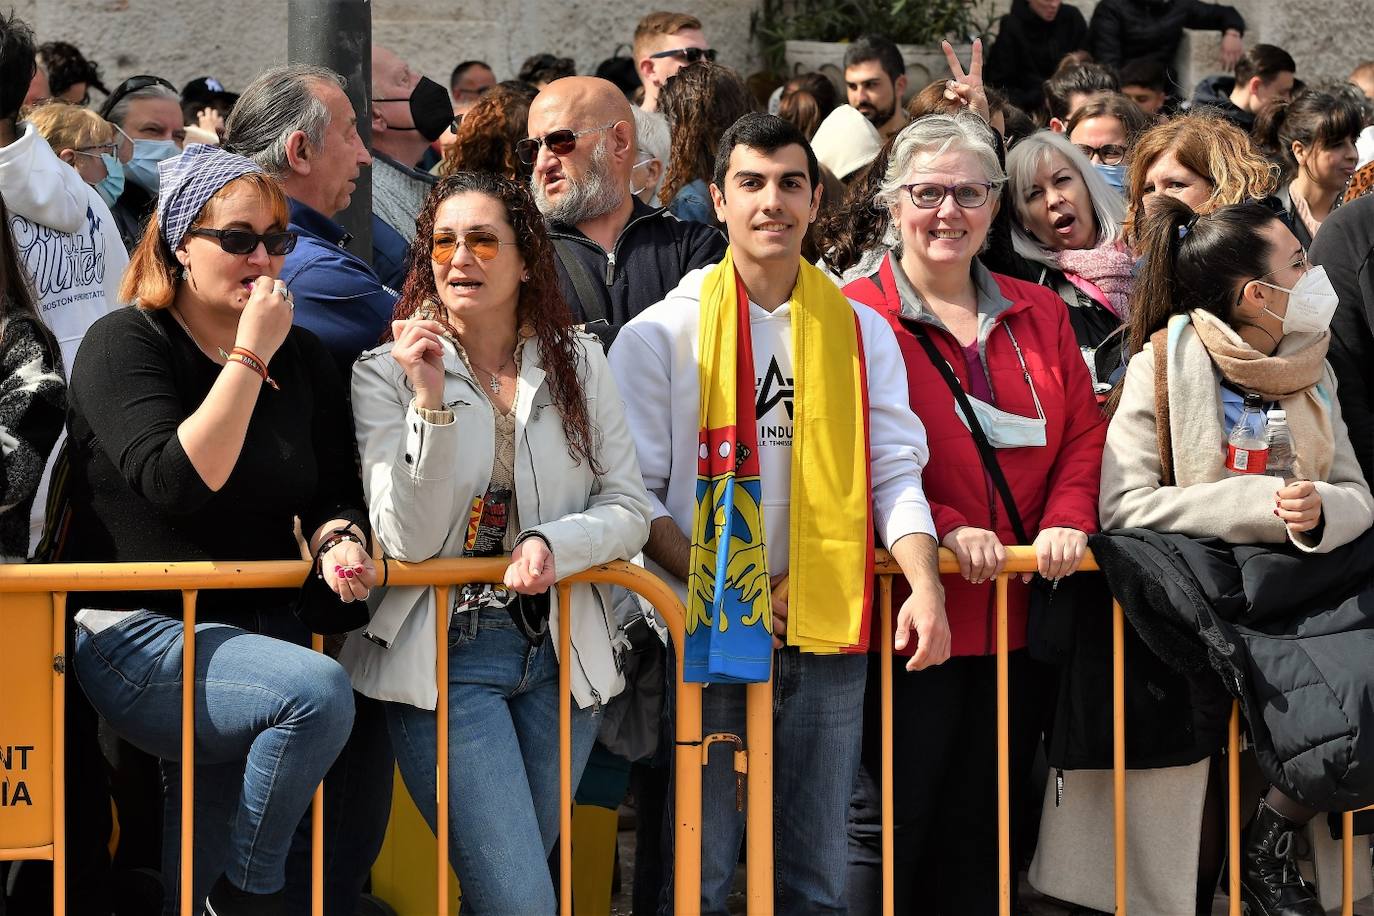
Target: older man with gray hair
[297, 124]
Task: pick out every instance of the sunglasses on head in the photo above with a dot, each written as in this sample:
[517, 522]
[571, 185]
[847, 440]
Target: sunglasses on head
[690, 55]
[241, 241]
[560, 142]
[131, 85]
[484, 245]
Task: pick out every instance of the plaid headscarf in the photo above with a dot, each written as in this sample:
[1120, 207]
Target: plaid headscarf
[188, 181]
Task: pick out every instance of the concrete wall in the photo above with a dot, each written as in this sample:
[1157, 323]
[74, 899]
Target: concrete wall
[235, 39]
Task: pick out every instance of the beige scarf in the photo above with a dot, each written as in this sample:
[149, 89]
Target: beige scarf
[1288, 376]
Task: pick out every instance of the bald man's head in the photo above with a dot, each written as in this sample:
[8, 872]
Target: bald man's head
[593, 178]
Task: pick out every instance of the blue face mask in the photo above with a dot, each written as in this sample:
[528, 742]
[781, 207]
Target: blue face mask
[1115, 175]
[113, 185]
[142, 166]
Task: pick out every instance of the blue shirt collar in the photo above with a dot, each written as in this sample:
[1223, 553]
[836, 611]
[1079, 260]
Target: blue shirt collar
[305, 218]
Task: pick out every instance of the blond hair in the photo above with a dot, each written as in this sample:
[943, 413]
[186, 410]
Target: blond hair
[657, 26]
[68, 126]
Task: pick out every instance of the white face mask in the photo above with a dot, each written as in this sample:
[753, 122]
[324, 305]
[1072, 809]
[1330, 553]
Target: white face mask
[1311, 303]
[1009, 430]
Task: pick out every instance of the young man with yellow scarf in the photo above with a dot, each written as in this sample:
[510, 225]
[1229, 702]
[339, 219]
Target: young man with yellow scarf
[774, 434]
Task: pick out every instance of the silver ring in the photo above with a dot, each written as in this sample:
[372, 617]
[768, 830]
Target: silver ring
[280, 289]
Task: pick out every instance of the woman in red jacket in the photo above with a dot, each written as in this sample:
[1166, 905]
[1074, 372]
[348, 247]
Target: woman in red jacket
[1004, 349]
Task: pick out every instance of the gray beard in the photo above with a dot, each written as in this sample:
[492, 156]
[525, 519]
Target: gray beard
[594, 195]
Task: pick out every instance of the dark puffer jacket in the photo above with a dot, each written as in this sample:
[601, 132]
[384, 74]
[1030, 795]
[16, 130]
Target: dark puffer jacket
[1289, 633]
[1127, 30]
[1027, 49]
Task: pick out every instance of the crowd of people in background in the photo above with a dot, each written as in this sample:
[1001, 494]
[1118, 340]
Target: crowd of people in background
[742, 331]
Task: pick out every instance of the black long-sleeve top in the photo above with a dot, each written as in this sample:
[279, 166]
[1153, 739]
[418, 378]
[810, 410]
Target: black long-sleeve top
[136, 496]
[1127, 30]
[1027, 49]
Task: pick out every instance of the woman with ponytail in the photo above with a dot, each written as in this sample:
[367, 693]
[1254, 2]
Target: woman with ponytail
[1313, 140]
[1232, 300]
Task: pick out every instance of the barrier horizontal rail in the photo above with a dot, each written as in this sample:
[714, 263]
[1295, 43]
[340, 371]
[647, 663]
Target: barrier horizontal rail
[191, 577]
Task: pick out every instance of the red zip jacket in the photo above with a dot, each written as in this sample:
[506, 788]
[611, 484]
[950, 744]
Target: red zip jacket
[1054, 486]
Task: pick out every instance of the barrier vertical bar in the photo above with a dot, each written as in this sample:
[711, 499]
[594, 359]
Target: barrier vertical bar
[1233, 810]
[442, 608]
[758, 714]
[1119, 752]
[317, 828]
[888, 765]
[565, 797]
[188, 745]
[1347, 863]
[687, 794]
[59, 753]
[1003, 759]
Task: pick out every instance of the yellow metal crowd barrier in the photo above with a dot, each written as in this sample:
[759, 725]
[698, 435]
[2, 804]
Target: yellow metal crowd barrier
[35, 601]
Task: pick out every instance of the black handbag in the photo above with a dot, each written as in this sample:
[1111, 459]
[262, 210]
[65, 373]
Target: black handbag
[1049, 635]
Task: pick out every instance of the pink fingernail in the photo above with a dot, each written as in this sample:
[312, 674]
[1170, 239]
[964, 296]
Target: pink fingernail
[1276, 511]
[348, 573]
[338, 570]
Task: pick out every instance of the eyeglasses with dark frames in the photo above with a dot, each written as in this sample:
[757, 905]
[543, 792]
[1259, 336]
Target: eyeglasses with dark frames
[484, 245]
[559, 142]
[969, 195]
[242, 241]
[1107, 153]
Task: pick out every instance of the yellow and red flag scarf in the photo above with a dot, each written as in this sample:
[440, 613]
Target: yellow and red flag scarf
[830, 556]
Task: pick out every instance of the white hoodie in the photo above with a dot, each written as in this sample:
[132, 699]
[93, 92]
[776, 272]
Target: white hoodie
[69, 244]
[655, 362]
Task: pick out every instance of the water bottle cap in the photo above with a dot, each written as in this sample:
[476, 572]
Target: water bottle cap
[1278, 414]
[1254, 401]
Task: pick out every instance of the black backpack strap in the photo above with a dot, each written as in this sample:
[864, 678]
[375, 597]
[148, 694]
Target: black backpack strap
[985, 449]
[588, 293]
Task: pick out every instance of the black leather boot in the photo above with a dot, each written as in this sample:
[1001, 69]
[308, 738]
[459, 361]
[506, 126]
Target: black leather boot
[1269, 882]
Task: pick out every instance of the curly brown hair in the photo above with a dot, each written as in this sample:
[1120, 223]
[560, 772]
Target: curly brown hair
[700, 101]
[489, 131]
[541, 307]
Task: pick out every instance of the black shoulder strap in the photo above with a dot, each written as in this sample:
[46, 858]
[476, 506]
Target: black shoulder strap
[588, 295]
[985, 449]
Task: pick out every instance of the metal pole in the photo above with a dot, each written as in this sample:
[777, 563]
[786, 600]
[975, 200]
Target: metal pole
[338, 34]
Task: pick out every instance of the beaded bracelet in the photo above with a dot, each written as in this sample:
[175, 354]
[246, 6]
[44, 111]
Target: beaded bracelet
[332, 540]
[254, 362]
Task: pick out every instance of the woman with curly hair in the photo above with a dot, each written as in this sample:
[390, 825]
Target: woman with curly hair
[487, 134]
[700, 101]
[488, 426]
[1205, 161]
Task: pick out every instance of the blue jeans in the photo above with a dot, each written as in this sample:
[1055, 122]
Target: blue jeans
[503, 763]
[270, 719]
[817, 731]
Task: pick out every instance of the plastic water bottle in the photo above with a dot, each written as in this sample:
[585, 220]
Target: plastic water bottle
[1280, 440]
[1247, 450]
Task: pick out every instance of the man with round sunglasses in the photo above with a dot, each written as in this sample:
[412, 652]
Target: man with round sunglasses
[665, 43]
[615, 254]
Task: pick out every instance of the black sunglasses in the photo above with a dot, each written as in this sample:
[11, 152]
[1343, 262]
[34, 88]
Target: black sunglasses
[691, 55]
[131, 85]
[241, 241]
[560, 142]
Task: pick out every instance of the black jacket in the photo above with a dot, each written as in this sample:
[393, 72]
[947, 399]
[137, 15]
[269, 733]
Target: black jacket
[1027, 49]
[1287, 633]
[1126, 30]
[1213, 95]
[652, 254]
[131, 213]
[1345, 247]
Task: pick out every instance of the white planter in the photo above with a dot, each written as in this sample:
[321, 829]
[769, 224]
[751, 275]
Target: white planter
[924, 63]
